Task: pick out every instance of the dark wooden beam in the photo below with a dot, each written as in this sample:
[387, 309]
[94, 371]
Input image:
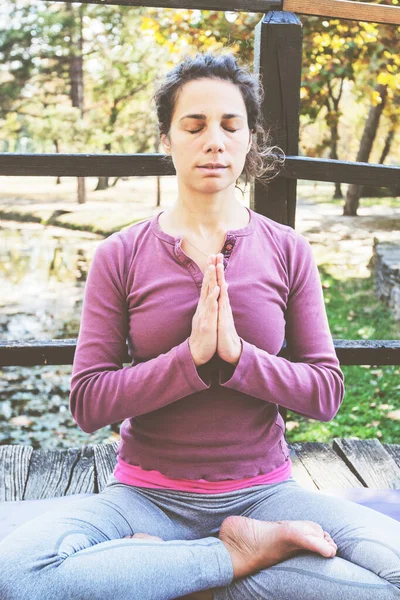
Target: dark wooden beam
[219, 5]
[326, 169]
[341, 9]
[61, 352]
[146, 165]
[277, 60]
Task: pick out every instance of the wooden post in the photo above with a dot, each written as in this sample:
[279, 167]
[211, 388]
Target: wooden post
[277, 57]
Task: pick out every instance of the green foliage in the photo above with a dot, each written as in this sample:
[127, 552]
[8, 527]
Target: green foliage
[371, 406]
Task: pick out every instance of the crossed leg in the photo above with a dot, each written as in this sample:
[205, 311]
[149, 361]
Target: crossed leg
[367, 561]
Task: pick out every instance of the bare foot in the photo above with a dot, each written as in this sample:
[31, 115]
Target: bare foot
[255, 545]
[144, 536]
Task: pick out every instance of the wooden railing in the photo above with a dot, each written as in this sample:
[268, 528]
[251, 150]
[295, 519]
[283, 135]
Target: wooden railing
[340, 9]
[61, 352]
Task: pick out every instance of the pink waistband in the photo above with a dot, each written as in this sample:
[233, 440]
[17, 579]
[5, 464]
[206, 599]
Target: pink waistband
[135, 475]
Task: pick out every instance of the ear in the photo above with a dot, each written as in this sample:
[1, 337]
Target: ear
[166, 143]
[250, 141]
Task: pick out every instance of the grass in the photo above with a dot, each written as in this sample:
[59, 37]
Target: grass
[371, 406]
[322, 192]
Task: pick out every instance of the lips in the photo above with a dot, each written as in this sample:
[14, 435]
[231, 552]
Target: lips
[212, 167]
[212, 170]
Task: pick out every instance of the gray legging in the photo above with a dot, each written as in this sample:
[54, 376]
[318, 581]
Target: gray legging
[78, 552]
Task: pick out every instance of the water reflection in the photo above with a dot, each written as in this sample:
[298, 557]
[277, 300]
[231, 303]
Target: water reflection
[43, 270]
[42, 275]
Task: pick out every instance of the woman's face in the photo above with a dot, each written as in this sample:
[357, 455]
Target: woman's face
[216, 131]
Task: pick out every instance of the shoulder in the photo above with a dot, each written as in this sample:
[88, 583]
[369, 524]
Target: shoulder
[284, 237]
[123, 242]
[114, 254]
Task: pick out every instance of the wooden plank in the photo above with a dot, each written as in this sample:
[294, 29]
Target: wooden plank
[345, 9]
[369, 460]
[86, 469]
[368, 352]
[85, 165]
[145, 165]
[62, 352]
[342, 9]
[14, 469]
[394, 451]
[325, 467]
[28, 354]
[83, 474]
[105, 456]
[230, 5]
[51, 473]
[327, 169]
[277, 61]
[299, 472]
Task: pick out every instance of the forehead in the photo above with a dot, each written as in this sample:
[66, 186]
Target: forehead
[209, 96]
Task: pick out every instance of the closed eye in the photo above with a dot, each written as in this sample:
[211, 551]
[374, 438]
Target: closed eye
[230, 130]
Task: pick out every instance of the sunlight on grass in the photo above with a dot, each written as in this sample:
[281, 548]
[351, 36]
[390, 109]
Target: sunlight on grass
[371, 406]
[323, 191]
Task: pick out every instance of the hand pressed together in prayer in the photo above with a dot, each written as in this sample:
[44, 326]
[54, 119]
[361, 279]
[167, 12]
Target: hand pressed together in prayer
[213, 327]
[229, 346]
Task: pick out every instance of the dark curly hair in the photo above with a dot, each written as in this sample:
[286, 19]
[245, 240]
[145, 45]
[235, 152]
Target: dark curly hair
[261, 158]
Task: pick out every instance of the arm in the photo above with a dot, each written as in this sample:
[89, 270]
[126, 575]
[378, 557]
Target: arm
[311, 383]
[102, 390]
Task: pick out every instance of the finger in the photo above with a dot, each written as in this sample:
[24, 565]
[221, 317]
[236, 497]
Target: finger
[223, 283]
[213, 297]
[206, 285]
[221, 275]
[220, 269]
[214, 280]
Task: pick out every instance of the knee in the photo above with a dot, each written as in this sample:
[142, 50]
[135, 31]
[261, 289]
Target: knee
[21, 572]
[10, 577]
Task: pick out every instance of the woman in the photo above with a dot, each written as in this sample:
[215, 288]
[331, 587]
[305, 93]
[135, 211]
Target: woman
[202, 503]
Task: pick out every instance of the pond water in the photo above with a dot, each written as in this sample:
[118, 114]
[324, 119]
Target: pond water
[43, 270]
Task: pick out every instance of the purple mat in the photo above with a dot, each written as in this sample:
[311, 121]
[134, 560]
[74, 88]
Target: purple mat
[384, 501]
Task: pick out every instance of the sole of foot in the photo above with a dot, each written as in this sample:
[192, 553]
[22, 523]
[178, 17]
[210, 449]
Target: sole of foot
[255, 545]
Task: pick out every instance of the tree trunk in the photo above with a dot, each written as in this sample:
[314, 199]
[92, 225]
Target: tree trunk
[102, 182]
[372, 190]
[334, 156]
[76, 79]
[364, 151]
[333, 123]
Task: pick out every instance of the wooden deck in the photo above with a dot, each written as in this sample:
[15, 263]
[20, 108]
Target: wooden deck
[28, 474]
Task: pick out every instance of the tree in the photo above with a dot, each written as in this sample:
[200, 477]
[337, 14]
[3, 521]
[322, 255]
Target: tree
[383, 77]
[76, 72]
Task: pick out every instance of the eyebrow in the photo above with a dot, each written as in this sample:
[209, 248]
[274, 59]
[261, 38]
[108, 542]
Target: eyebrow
[203, 117]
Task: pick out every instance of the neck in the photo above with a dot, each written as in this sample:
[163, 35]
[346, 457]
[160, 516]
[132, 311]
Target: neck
[205, 217]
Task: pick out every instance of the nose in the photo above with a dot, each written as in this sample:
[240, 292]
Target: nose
[214, 139]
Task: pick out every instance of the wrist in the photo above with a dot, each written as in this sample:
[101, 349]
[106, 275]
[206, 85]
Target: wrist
[237, 356]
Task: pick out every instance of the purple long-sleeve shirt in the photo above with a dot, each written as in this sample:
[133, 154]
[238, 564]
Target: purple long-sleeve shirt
[217, 422]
